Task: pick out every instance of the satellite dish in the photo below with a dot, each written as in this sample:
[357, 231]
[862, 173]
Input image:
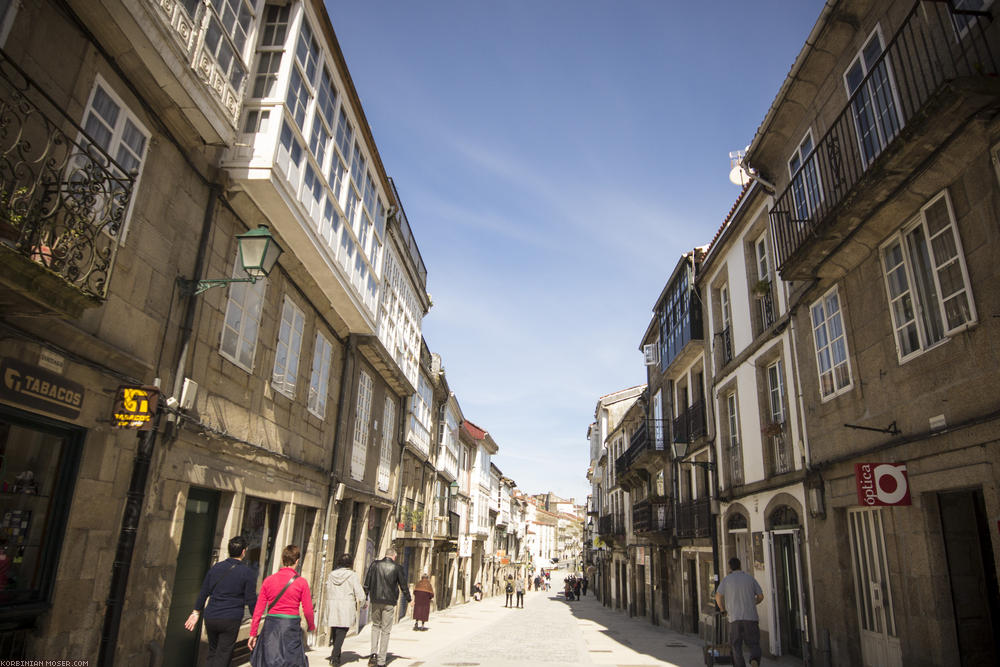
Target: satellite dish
[737, 174]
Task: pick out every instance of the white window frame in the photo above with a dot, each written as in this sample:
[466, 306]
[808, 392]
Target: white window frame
[804, 175]
[775, 377]
[762, 256]
[125, 114]
[291, 329]
[385, 453]
[658, 420]
[828, 346]
[883, 136]
[249, 298]
[319, 379]
[362, 418]
[911, 293]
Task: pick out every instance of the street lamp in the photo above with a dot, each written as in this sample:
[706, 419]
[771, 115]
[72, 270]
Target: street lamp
[259, 253]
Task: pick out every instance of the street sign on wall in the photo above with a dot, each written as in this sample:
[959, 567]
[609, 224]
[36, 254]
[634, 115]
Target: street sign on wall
[882, 484]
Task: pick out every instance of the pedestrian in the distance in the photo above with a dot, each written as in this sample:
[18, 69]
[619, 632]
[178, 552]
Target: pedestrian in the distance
[585, 583]
[519, 589]
[384, 581]
[229, 587]
[577, 585]
[279, 643]
[509, 590]
[423, 593]
[344, 594]
[738, 596]
[477, 591]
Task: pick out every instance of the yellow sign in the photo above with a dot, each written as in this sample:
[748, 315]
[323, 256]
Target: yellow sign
[135, 407]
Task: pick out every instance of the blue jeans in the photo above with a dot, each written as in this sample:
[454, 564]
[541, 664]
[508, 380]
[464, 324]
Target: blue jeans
[748, 631]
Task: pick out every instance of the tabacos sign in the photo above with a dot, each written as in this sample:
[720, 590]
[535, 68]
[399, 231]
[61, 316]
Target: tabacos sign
[882, 484]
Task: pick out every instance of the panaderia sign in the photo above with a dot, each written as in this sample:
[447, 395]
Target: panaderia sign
[35, 387]
[881, 484]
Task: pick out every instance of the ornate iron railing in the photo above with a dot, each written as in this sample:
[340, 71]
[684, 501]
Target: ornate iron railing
[648, 516]
[725, 346]
[765, 304]
[63, 199]
[638, 443]
[781, 457]
[932, 46]
[694, 518]
[690, 424]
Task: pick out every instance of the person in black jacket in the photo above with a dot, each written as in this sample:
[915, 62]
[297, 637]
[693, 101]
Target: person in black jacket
[383, 583]
[229, 586]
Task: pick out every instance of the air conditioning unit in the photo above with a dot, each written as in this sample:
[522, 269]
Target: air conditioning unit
[651, 353]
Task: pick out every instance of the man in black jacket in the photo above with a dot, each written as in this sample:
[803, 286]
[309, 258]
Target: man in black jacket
[229, 586]
[383, 583]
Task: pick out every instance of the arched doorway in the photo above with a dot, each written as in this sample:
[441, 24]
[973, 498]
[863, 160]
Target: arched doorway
[785, 547]
[738, 541]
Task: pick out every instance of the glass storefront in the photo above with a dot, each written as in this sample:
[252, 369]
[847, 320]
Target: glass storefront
[38, 464]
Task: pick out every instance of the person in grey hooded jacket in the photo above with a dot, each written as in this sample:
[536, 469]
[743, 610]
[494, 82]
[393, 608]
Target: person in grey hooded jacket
[344, 594]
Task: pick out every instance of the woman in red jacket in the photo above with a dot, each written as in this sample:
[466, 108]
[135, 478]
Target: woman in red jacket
[281, 595]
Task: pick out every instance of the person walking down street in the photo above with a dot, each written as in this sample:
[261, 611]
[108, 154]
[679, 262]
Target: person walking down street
[344, 594]
[477, 591]
[509, 591]
[568, 590]
[229, 586]
[538, 582]
[423, 593]
[279, 643]
[577, 584]
[738, 596]
[519, 588]
[585, 582]
[384, 581]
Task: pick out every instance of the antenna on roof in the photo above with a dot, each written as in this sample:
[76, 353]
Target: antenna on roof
[737, 173]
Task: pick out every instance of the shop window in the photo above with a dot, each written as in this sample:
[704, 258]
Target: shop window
[260, 528]
[38, 464]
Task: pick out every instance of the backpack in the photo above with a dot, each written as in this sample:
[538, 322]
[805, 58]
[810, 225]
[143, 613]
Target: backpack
[510, 587]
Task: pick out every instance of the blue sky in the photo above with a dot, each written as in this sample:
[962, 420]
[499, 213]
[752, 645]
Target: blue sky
[554, 159]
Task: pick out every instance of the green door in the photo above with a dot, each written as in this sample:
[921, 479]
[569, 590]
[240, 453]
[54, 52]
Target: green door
[193, 561]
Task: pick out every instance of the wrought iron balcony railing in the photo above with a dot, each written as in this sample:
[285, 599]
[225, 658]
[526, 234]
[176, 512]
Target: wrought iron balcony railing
[638, 443]
[725, 345]
[412, 516]
[932, 47]
[765, 305]
[62, 197]
[690, 424]
[781, 457]
[648, 517]
[694, 518]
[606, 525]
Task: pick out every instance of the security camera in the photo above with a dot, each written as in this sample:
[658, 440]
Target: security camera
[171, 402]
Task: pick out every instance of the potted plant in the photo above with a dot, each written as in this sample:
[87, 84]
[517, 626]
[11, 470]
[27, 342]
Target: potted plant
[417, 520]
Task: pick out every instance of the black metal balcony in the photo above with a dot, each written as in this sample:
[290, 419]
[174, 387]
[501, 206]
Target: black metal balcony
[694, 518]
[932, 49]
[765, 304]
[606, 525]
[412, 517]
[725, 338]
[63, 201]
[648, 517]
[690, 424]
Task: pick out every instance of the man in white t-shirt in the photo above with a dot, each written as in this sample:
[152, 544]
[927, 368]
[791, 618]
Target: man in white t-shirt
[738, 596]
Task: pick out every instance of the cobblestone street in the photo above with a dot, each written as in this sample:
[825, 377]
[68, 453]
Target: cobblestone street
[547, 631]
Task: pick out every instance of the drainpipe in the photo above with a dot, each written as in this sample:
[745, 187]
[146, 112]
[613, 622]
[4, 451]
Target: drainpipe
[136, 496]
[134, 500]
